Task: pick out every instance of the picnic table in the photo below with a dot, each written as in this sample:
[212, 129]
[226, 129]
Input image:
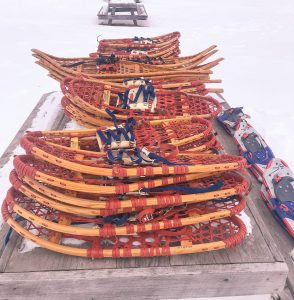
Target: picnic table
[122, 10]
[254, 267]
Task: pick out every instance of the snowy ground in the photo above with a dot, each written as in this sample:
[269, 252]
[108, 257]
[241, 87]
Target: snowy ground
[43, 121]
[255, 37]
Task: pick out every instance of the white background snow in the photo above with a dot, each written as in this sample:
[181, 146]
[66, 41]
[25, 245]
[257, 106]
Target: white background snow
[255, 37]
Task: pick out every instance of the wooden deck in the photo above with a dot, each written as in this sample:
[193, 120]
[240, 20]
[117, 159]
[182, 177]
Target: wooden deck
[257, 266]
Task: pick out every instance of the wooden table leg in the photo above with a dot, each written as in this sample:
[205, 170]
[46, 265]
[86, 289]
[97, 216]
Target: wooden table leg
[112, 14]
[133, 14]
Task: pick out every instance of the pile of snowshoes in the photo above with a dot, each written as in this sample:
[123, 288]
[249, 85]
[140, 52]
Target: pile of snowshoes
[277, 179]
[147, 45]
[89, 102]
[116, 60]
[144, 178]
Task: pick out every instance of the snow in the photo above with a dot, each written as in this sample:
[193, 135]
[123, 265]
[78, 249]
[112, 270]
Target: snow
[47, 113]
[43, 121]
[255, 37]
[123, 1]
[27, 245]
[4, 177]
[246, 220]
[72, 125]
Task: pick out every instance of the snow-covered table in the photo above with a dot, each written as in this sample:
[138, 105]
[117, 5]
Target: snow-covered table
[134, 11]
[254, 267]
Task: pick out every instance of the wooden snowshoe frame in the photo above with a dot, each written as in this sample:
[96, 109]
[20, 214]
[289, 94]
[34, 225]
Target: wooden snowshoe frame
[169, 50]
[208, 236]
[187, 62]
[98, 163]
[164, 218]
[92, 99]
[193, 135]
[111, 45]
[85, 203]
[85, 119]
[125, 68]
[27, 166]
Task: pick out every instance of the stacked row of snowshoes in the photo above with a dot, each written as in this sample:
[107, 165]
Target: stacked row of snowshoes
[145, 179]
[114, 69]
[148, 46]
[89, 102]
[277, 189]
[159, 64]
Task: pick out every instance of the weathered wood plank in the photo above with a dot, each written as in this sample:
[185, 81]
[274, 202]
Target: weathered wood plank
[152, 283]
[134, 17]
[142, 11]
[109, 12]
[122, 17]
[285, 294]
[121, 4]
[27, 124]
[103, 11]
[48, 261]
[143, 262]
[7, 250]
[112, 14]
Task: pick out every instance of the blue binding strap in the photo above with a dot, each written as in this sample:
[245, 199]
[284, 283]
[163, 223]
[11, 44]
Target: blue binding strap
[262, 156]
[163, 160]
[282, 211]
[113, 117]
[137, 158]
[138, 39]
[129, 49]
[118, 220]
[185, 189]
[124, 97]
[127, 131]
[148, 93]
[7, 236]
[9, 232]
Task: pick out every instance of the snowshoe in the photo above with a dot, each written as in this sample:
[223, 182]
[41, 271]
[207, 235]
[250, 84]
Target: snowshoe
[278, 179]
[230, 118]
[253, 148]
